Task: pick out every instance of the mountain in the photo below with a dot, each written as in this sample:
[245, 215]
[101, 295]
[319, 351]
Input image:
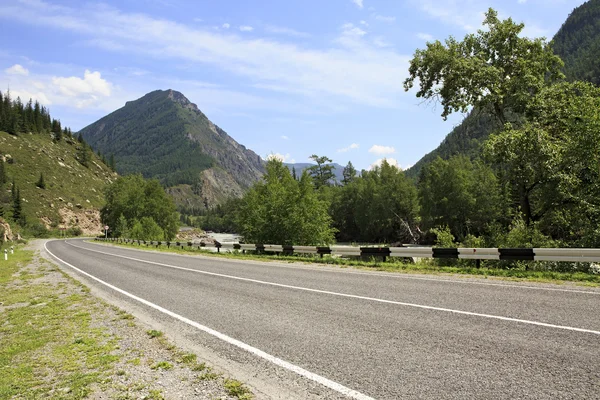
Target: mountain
[337, 169]
[577, 43]
[163, 135]
[73, 193]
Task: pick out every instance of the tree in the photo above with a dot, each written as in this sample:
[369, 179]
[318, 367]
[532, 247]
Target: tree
[552, 163]
[380, 206]
[111, 162]
[131, 198]
[459, 194]
[493, 68]
[322, 173]
[17, 207]
[40, 183]
[83, 154]
[3, 176]
[282, 210]
[349, 173]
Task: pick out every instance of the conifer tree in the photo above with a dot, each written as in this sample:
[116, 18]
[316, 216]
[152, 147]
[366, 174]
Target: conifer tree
[3, 177]
[40, 183]
[17, 210]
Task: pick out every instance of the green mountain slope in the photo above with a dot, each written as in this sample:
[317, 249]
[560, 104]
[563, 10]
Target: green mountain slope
[73, 193]
[577, 43]
[163, 135]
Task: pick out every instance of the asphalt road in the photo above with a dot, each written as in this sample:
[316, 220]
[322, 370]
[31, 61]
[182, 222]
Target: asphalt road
[330, 332]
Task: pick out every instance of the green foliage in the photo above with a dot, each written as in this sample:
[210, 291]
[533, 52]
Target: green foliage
[132, 198]
[16, 117]
[282, 210]
[380, 206]
[552, 163]
[146, 229]
[3, 176]
[349, 173]
[443, 237]
[322, 173]
[462, 195]
[150, 136]
[578, 43]
[495, 67]
[40, 183]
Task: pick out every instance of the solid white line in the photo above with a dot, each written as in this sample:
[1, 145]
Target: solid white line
[450, 310]
[388, 275]
[275, 360]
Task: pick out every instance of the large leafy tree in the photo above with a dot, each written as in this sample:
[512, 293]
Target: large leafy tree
[282, 210]
[552, 162]
[495, 68]
[132, 198]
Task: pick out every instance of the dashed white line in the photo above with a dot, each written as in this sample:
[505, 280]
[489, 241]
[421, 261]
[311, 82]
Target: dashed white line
[275, 360]
[421, 306]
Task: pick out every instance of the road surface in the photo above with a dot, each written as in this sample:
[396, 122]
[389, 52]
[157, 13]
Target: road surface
[323, 332]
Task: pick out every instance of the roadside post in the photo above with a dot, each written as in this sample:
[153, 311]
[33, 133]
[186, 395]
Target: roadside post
[105, 231]
[5, 254]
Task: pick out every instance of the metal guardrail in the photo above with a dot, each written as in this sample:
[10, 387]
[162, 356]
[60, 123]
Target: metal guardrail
[533, 254]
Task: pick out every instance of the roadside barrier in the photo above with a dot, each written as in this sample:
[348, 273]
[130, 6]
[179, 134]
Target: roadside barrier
[532, 254]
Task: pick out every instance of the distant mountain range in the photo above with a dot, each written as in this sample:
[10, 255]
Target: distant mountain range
[577, 43]
[163, 135]
[337, 169]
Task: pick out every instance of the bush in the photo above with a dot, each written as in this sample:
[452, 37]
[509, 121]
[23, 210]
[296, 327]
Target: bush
[74, 231]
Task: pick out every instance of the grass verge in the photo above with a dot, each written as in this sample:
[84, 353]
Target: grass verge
[58, 341]
[396, 265]
[48, 346]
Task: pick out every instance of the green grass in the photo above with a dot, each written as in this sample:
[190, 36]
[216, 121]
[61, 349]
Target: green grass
[237, 389]
[464, 267]
[74, 183]
[154, 333]
[47, 343]
[165, 365]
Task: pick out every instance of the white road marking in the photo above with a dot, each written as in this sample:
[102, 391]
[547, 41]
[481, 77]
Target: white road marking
[449, 310]
[275, 360]
[388, 275]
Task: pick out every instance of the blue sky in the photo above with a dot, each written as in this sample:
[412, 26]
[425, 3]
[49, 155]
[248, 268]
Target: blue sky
[285, 77]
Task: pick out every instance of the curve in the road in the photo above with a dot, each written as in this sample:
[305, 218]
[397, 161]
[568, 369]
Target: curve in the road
[275, 360]
[421, 306]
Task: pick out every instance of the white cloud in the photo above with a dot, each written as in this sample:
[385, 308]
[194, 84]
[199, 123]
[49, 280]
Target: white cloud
[425, 36]
[384, 18]
[25, 95]
[92, 84]
[225, 26]
[349, 29]
[279, 30]
[359, 3]
[353, 146]
[391, 161]
[17, 69]
[281, 157]
[363, 22]
[467, 14]
[350, 70]
[380, 42]
[377, 149]
[522, 1]
[285, 137]
[246, 28]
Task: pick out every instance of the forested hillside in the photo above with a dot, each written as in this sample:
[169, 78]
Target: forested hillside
[578, 45]
[163, 135]
[48, 178]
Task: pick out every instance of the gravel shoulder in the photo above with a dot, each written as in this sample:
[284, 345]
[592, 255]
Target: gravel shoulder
[81, 346]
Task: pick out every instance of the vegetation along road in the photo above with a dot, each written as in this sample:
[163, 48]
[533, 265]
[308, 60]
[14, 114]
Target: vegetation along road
[324, 332]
